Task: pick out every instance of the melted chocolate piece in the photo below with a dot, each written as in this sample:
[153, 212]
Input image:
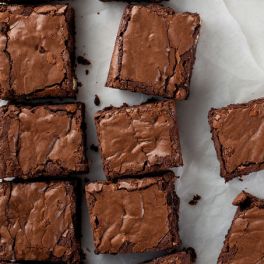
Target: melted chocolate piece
[36, 52]
[97, 101]
[155, 51]
[83, 61]
[45, 140]
[123, 214]
[38, 222]
[245, 239]
[196, 198]
[138, 139]
[237, 132]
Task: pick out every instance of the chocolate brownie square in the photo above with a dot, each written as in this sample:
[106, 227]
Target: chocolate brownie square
[36, 52]
[237, 133]
[138, 139]
[245, 239]
[42, 140]
[176, 258]
[39, 222]
[134, 215]
[155, 51]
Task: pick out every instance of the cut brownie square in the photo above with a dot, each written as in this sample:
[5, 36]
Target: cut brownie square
[123, 214]
[245, 239]
[36, 52]
[154, 51]
[43, 140]
[39, 222]
[176, 258]
[237, 132]
[138, 139]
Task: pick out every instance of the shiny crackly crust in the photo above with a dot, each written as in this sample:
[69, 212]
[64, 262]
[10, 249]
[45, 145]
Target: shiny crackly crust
[244, 201]
[39, 222]
[223, 172]
[12, 129]
[68, 86]
[164, 184]
[157, 109]
[181, 91]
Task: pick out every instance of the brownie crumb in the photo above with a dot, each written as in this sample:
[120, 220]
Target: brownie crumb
[86, 72]
[98, 13]
[97, 101]
[192, 253]
[79, 84]
[83, 61]
[195, 199]
[94, 148]
[240, 179]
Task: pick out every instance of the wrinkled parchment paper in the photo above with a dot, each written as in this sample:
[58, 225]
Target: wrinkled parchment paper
[229, 69]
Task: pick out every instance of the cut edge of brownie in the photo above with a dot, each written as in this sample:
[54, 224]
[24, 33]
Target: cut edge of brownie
[175, 138]
[68, 86]
[248, 168]
[83, 167]
[166, 181]
[243, 201]
[182, 91]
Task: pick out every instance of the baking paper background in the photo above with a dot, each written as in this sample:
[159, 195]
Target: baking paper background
[229, 69]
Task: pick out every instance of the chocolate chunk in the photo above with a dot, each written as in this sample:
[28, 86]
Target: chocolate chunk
[155, 51]
[36, 52]
[39, 222]
[138, 139]
[83, 61]
[238, 138]
[245, 238]
[132, 208]
[44, 140]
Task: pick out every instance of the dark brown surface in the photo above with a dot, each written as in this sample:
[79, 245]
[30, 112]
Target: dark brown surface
[38, 222]
[45, 140]
[36, 52]
[138, 139]
[123, 214]
[238, 135]
[245, 239]
[154, 51]
[176, 258]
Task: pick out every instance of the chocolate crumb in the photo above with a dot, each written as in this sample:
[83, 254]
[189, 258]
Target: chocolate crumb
[98, 13]
[94, 148]
[83, 61]
[79, 84]
[195, 199]
[240, 179]
[86, 72]
[97, 100]
[192, 253]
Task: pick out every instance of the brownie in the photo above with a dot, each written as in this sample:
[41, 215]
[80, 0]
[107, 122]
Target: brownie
[43, 140]
[36, 52]
[39, 222]
[237, 133]
[154, 51]
[245, 239]
[138, 139]
[176, 258]
[123, 214]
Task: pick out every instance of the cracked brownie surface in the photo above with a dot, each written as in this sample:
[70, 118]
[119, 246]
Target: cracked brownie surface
[138, 139]
[237, 133]
[176, 258]
[135, 215]
[245, 238]
[44, 140]
[38, 222]
[36, 52]
[155, 51]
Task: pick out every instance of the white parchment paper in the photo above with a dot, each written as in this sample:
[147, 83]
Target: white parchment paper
[229, 69]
